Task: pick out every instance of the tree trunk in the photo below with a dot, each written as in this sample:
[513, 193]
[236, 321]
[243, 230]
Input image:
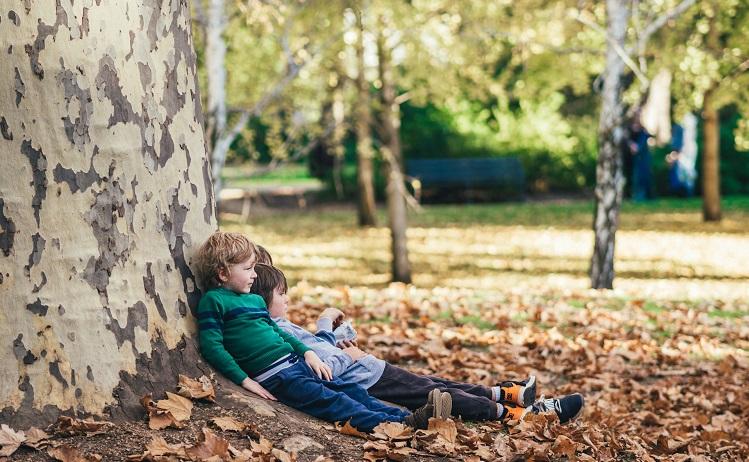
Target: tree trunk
[711, 134]
[609, 170]
[710, 161]
[364, 151]
[392, 167]
[215, 64]
[105, 191]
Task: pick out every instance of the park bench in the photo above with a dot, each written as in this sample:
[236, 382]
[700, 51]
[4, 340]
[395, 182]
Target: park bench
[503, 175]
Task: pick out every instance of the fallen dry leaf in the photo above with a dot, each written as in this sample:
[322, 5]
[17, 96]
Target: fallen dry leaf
[347, 429]
[563, 446]
[173, 411]
[159, 447]
[36, 438]
[10, 440]
[263, 446]
[445, 428]
[209, 445]
[392, 431]
[71, 426]
[229, 424]
[178, 406]
[67, 453]
[201, 388]
[282, 455]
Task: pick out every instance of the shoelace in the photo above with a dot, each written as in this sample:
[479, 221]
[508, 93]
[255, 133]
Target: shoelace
[550, 404]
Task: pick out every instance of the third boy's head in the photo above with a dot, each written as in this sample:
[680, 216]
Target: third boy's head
[271, 285]
[227, 260]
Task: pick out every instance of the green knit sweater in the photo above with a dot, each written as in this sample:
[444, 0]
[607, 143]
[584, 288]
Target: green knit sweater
[237, 336]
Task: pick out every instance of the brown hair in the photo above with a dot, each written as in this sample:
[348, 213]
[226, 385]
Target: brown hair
[268, 279]
[263, 256]
[217, 253]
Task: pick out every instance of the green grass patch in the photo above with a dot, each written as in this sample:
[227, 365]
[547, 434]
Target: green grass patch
[243, 176]
[476, 321]
[651, 307]
[727, 314]
[579, 304]
[444, 315]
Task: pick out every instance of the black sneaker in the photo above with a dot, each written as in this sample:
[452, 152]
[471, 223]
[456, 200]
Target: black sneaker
[567, 407]
[439, 405]
[522, 393]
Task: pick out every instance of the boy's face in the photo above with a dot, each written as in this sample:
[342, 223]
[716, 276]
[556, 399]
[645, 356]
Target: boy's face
[279, 304]
[240, 276]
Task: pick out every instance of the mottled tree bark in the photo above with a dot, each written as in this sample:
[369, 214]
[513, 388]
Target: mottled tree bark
[609, 170]
[364, 152]
[104, 192]
[392, 167]
[710, 160]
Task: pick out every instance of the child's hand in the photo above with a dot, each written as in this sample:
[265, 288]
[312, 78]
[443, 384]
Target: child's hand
[334, 314]
[321, 369]
[347, 344]
[355, 353]
[251, 385]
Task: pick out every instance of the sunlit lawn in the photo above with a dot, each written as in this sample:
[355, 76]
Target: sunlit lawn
[664, 250]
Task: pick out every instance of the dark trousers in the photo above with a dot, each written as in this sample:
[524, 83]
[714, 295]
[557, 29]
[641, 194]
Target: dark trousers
[399, 386]
[335, 401]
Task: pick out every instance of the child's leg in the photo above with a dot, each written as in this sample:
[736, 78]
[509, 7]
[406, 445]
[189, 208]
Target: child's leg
[360, 394]
[521, 393]
[411, 390]
[298, 387]
[470, 388]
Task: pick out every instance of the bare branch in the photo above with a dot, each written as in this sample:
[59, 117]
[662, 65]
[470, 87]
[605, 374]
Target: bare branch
[661, 21]
[276, 163]
[645, 82]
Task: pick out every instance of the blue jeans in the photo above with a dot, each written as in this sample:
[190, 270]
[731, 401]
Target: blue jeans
[332, 400]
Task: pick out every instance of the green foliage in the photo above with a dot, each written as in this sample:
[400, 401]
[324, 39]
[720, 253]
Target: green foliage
[558, 153]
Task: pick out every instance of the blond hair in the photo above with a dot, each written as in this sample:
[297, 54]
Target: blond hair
[217, 253]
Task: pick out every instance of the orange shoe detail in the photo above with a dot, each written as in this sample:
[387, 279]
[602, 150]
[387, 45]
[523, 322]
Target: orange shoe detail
[514, 412]
[512, 393]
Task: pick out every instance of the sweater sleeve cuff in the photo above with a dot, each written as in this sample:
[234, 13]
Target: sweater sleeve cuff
[325, 324]
[238, 377]
[300, 348]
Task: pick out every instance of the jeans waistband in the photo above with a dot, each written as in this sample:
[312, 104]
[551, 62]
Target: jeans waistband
[276, 367]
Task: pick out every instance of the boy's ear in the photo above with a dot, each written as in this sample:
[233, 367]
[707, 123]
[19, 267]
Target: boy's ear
[223, 274]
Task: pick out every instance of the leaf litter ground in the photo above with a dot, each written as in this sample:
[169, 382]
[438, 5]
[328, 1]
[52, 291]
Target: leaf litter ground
[663, 380]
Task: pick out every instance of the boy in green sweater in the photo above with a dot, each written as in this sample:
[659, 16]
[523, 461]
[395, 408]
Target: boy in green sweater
[239, 339]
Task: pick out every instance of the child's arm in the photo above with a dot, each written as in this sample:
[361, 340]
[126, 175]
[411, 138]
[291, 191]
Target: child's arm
[211, 335]
[315, 363]
[251, 385]
[327, 324]
[325, 330]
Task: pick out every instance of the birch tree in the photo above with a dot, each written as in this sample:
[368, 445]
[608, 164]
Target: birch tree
[105, 191]
[609, 170]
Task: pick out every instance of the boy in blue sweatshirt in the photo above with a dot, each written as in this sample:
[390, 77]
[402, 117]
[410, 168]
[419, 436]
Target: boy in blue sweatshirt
[239, 339]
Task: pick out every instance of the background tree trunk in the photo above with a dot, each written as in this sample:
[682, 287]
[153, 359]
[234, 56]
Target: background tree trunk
[364, 152]
[215, 66]
[710, 160]
[104, 192]
[392, 167]
[609, 170]
[711, 134]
